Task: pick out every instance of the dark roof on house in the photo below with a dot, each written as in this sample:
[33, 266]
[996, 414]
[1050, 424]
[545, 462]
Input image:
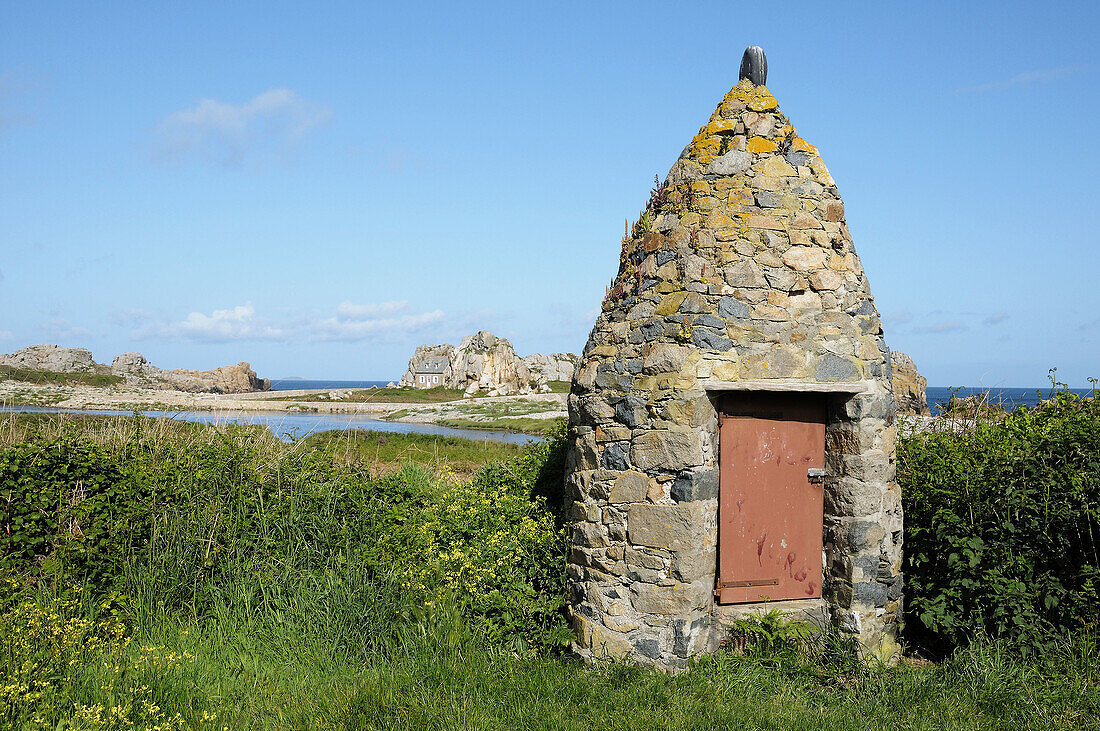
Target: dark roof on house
[433, 365]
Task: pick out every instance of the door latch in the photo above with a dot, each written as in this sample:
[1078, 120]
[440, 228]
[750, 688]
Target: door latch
[815, 475]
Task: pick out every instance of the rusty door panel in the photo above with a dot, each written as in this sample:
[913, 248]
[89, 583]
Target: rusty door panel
[770, 511]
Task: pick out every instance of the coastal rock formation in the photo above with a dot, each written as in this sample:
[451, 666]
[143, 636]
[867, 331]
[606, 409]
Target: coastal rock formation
[485, 362]
[546, 367]
[910, 387]
[53, 358]
[738, 293]
[137, 371]
[238, 378]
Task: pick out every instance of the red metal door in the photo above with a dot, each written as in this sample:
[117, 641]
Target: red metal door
[771, 456]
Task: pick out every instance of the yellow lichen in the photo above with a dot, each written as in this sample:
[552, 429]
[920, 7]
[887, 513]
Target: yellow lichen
[718, 126]
[761, 144]
[745, 94]
[704, 149]
[801, 145]
[670, 303]
[741, 197]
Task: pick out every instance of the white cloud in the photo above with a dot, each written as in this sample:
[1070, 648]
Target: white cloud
[334, 328]
[238, 323]
[348, 311]
[5, 335]
[352, 322]
[267, 126]
[995, 318]
[1028, 77]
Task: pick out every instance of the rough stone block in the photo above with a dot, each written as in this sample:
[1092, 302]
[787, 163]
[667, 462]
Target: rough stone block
[680, 598]
[616, 456]
[731, 163]
[670, 450]
[711, 339]
[831, 368]
[744, 274]
[680, 527]
[732, 309]
[870, 592]
[805, 258]
[699, 484]
[694, 565]
[664, 358]
[629, 487]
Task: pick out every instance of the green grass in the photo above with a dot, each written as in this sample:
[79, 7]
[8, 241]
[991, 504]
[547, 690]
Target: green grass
[291, 665]
[388, 451]
[26, 375]
[521, 424]
[559, 386]
[511, 407]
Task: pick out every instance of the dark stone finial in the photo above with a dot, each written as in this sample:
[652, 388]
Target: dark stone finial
[754, 65]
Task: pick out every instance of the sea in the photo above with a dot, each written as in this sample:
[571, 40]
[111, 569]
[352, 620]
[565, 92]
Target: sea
[1008, 398]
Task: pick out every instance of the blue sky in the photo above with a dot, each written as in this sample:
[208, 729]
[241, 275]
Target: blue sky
[317, 188]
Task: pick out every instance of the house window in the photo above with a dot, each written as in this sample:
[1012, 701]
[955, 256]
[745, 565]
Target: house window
[422, 379]
[435, 379]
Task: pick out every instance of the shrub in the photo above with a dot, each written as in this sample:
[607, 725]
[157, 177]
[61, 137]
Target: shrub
[213, 520]
[1003, 526]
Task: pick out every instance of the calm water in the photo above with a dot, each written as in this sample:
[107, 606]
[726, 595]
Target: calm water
[289, 427]
[1009, 398]
[294, 384]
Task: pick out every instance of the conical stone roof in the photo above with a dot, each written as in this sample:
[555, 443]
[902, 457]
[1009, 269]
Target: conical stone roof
[743, 252]
[740, 270]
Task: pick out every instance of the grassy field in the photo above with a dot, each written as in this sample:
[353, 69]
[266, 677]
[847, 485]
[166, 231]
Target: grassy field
[396, 395]
[521, 424]
[384, 451]
[26, 375]
[159, 574]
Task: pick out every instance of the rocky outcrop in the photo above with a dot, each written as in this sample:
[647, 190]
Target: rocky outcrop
[238, 378]
[137, 371]
[53, 358]
[909, 385]
[551, 367]
[485, 362]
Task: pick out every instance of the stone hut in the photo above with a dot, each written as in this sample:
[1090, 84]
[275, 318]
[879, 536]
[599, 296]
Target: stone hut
[732, 417]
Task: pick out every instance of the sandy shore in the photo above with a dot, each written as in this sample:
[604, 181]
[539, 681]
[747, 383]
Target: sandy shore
[492, 409]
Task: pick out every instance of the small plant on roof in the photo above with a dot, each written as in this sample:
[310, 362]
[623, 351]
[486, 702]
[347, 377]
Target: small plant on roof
[658, 197]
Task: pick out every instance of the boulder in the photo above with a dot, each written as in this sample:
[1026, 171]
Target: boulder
[491, 363]
[546, 367]
[137, 371]
[909, 385]
[53, 358]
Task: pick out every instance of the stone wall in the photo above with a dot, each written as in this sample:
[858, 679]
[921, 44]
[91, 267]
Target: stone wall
[739, 274]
